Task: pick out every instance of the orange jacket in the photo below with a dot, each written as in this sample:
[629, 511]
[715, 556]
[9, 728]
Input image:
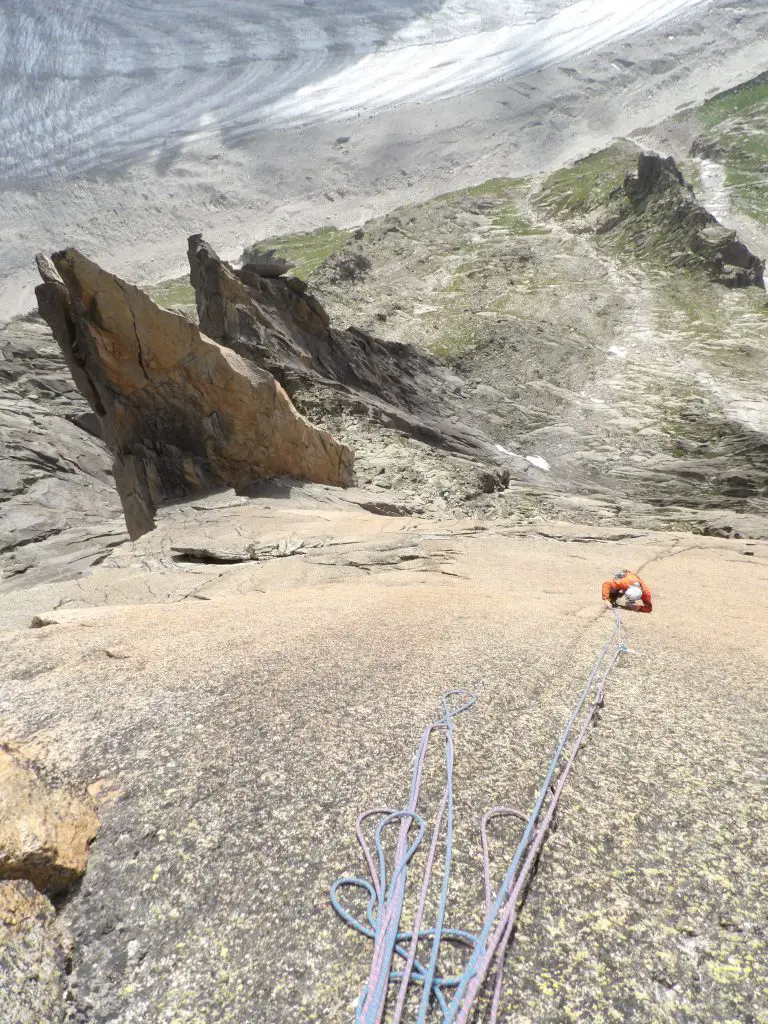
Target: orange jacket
[613, 589]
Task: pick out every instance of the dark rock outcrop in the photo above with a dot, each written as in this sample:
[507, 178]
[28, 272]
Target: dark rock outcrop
[180, 414]
[267, 264]
[347, 265]
[655, 174]
[731, 262]
[657, 213]
[277, 324]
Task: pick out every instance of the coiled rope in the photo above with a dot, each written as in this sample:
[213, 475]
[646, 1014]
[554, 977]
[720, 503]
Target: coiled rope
[455, 996]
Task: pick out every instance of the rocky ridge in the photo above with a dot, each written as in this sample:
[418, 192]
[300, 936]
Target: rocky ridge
[655, 213]
[276, 323]
[635, 379]
[521, 371]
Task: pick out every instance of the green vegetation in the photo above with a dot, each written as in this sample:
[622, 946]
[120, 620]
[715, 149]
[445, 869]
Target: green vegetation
[501, 199]
[506, 216]
[587, 185]
[457, 338]
[737, 102]
[307, 250]
[654, 236]
[499, 187]
[177, 292]
[736, 136]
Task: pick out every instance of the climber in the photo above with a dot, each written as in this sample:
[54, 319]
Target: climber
[628, 585]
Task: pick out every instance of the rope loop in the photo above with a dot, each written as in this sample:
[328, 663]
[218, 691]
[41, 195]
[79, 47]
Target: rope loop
[456, 996]
[448, 712]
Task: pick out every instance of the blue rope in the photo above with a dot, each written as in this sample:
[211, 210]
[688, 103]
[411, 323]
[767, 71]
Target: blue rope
[442, 905]
[377, 908]
[392, 894]
[533, 818]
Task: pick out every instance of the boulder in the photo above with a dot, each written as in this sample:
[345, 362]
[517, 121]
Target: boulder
[267, 264]
[180, 414]
[45, 830]
[731, 261]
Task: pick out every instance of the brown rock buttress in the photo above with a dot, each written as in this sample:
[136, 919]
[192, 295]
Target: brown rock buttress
[180, 413]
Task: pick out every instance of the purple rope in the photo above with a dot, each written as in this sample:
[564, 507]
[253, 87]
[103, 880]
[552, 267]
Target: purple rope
[503, 932]
[501, 910]
[383, 952]
[408, 971]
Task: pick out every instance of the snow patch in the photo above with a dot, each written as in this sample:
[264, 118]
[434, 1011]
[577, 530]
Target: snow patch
[714, 188]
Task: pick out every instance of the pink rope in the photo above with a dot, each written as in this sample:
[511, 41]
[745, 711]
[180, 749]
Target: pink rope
[500, 939]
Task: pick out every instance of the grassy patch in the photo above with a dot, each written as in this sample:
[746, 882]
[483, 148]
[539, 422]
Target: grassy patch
[736, 135]
[736, 102]
[506, 216]
[177, 292]
[456, 339]
[307, 250]
[503, 196]
[494, 188]
[586, 185]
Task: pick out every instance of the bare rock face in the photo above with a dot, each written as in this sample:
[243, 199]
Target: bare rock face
[45, 831]
[58, 508]
[275, 323]
[258, 704]
[180, 413]
[657, 213]
[34, 957]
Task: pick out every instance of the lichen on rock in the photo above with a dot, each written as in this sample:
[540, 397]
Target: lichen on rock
[34, 957]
